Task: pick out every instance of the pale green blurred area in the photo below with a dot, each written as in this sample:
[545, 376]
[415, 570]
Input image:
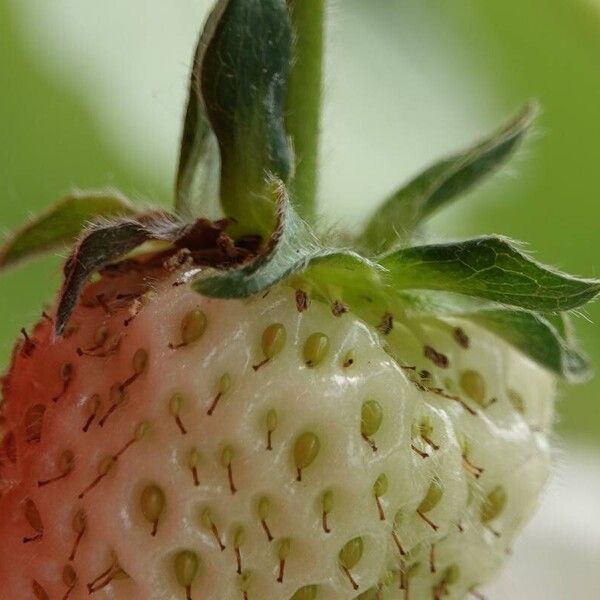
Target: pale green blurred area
[92, 93]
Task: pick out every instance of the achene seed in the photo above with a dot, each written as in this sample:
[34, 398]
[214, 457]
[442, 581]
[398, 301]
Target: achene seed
[306, 449]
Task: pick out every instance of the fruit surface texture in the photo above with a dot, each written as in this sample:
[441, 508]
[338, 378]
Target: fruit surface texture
[433, 469]
[232, 400]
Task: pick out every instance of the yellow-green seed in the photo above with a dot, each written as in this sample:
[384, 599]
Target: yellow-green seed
[106, 464]
[516, 400]
[432, 497]
[306, 449]
[271, 420]
[351, 553]
[66, 462]
[494, 504]
[140, 361]
[239, 537]
[224, 383]
[371, 417]
[153, 502]
[387, 578]
[315, 349]
[113, 343]
[273, 340]
[141, 430]
[449, 384]
[264, 508]
[193, 458]
[473, 385]
[207, 518]
[66, 371]
[451, 575]
[245, 580]
[398, 518]
[176, 404]
[426, 427]
[186, 564]
[308, 592]
[116, 395]
[79, 521]
[120, 573]
[283, 548]
[327, 501]
[32, 515]
[193, 326]
[69, 576]
[380, 487]
[227, 455]
[101, 335]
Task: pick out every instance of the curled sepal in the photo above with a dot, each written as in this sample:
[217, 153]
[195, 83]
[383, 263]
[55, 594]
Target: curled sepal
[105, 243]
[108, 242]
[289, 248]
[197, 179]
[490, 267]
[243, 79]
[61, 224]
[395, 221]
[292, 248]
[543, 338]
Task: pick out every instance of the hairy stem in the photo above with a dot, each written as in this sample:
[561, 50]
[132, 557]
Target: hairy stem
[303, 110]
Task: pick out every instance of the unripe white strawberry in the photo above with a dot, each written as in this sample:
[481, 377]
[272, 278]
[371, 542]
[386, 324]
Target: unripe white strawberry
[425, 470]
[243, 408]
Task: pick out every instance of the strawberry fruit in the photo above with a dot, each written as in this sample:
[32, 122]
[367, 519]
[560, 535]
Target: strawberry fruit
[226, 403]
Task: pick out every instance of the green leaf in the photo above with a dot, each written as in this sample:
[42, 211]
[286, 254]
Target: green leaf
[395, 221]
[488, 267]
[61, 224]
[197, 180]
[535, 335]
[243, 78]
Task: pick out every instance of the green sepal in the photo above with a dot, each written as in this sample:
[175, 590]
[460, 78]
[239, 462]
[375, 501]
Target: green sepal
[197, 179]
[537, 338]
[394, 223]
[61, 224]
[491, 267]
[243, 78]
[543, 338]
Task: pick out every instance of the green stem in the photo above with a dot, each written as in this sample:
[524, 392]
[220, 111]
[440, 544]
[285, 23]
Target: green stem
[303, 110]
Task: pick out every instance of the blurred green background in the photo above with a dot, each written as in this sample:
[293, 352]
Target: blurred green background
[92, 95]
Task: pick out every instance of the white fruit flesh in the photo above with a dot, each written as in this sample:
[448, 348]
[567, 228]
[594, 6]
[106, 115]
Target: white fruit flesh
[510, 446]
